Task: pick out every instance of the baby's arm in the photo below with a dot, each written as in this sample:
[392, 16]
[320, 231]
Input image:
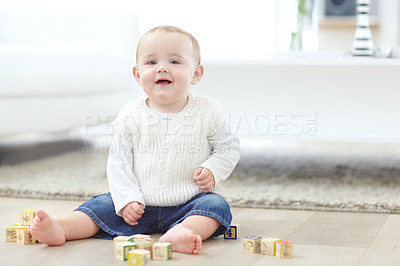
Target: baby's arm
[224, 156]
[205, 179]
[132, 212]
[123, 184]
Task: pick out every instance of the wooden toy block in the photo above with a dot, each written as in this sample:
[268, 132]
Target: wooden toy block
[24, 237]
[284, 249]
[11, 233]
[233, 232]
[20, 236]
[122, 249]
[139, 257]
[120, 239]
[144, 243]
[268, 246]
[27, 217]
[162, 251]
[251, 244]
[19, 226]
[133, 237]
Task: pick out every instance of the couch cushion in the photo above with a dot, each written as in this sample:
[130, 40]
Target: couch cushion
[64, 53]
[112, 32]
[41, 114]
[61, 70]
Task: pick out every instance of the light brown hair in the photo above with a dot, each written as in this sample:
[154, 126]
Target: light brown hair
[196, 46]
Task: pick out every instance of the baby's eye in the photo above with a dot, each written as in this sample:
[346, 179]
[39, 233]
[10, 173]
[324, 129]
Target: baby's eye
[151, 62]
[175, 62]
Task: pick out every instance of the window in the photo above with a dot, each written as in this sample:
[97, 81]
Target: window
[227, 30]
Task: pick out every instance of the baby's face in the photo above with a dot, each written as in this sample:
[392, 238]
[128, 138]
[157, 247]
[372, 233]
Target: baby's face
[166, 67]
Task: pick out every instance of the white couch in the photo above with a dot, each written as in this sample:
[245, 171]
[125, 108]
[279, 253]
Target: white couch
[62, 70]
[348, 99]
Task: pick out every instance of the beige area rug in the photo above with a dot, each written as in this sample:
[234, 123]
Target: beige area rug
[271, 174]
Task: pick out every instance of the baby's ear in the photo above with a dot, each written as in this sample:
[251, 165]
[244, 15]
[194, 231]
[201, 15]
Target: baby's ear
[198, 73]
[136, 74]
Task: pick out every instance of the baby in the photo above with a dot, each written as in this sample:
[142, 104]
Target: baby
[170, 150]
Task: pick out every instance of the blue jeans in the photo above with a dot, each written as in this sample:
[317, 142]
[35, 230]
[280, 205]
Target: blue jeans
[155, 219]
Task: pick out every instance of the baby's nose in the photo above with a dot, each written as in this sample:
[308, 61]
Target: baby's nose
[162, 68]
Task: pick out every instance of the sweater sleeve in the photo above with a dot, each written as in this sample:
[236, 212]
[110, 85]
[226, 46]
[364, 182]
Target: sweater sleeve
[123, 184]
[225, 152]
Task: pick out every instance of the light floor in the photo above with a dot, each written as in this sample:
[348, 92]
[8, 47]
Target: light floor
[320, 238]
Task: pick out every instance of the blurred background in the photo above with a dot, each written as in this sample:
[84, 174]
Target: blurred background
[65, 67]
[263, 27]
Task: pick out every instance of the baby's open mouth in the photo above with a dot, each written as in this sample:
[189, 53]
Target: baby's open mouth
[163, 82]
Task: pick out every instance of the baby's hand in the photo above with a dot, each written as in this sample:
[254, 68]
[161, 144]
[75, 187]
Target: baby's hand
[205, 179]
[132, 212]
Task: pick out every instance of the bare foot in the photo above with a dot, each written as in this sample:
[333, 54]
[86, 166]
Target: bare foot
[183, 239]
[47, 230]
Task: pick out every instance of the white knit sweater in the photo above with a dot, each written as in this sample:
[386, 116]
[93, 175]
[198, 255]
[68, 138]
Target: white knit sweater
[163, 154]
